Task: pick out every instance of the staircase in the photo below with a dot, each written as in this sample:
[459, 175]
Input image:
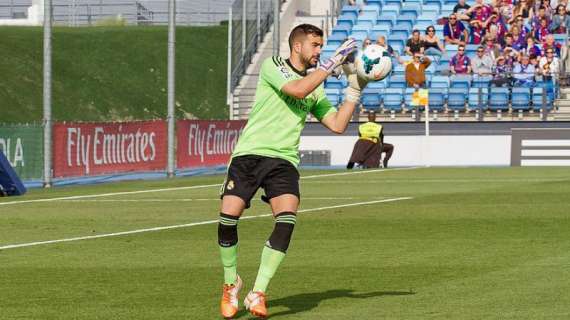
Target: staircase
[563, 105]
[291, 16]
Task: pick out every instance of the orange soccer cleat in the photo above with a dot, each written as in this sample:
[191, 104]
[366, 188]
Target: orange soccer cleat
[255, 303]
[229, 303]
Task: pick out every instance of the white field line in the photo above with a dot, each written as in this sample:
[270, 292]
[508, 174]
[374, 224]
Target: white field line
[30, 244]
[180, 188]
[192, 200]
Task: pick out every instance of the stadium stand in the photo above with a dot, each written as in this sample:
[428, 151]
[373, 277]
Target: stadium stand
[457, 94]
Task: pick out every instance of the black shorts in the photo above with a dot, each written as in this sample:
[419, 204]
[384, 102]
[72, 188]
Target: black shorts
[247, 174]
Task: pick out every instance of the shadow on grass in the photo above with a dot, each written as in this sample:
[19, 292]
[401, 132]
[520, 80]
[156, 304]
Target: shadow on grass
[308, 301]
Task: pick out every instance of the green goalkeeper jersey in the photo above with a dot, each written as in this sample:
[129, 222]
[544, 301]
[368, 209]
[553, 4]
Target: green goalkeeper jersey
[276, 119]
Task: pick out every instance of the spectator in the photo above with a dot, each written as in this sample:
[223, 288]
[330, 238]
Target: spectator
[524, 30]
[560, 21]
[522, 9]
[550, 43]
[381, 41]
[416, 71]
[432, 45]
[506, 10]
[495, 24]
[547, 7]
[531, 47]
[549, 64]
[461, 9]
[366, 42]
[414, 44]
[482, 64]
[535, 22]
[518, 40]
[460, 63]
[508, 42]
[477, 31]
[491, 48]
[479, 11]
[454, 32]
[534, 61]
[502, 72]
[523, 72]
[542, 31]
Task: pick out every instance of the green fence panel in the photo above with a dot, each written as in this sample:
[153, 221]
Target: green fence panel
[23, 146]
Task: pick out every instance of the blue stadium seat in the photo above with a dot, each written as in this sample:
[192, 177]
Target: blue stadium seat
[481, 81]
[431, 7]
[377, 3]
[333, 83]
[440, 82]
[540, 100]
[350, 11]
[478, 99]
[393, 3]
[391, 7]
[346, 20]
[456, 99]
[433, 3]
[333, 95]
[520, 98]
[436, 99]
[360, 31]
[499, 99]
[341, 30]
[392, 99]
[403, 22]
[400, 30]
[371, 98]
[335, 40]
[367, 18]
[397, 81]
[408, 95]
[399, 69]
[370, 8]
[328, 51]
[461, 81]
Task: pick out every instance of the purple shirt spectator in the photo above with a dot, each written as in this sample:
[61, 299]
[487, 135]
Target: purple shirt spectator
[460, 63]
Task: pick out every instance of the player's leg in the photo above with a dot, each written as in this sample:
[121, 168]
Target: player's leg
[282, 188]
[239, 187]
[388, 149]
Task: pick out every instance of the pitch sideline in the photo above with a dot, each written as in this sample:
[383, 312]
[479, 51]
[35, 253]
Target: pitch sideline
[184, 188]
[116, 234]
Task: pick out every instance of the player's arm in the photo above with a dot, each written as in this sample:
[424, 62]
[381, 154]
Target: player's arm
[303, 87]
[338, 121]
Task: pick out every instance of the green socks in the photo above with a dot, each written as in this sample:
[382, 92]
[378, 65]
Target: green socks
[228, 242]
[270, 260]
[229, 261]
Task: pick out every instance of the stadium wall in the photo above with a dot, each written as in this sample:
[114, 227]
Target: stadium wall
[449, 144]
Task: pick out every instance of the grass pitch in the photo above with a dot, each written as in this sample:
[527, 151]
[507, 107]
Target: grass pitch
[472, 243]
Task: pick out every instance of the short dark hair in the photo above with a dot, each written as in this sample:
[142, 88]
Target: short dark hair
[303, 30]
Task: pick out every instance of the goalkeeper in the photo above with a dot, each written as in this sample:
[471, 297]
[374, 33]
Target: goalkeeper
[266, 154]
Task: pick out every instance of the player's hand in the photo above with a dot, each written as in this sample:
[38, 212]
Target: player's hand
[355, 84]
[343, 51]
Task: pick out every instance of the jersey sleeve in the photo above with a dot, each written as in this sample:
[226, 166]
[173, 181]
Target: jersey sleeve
[275, 73]
[323, 107]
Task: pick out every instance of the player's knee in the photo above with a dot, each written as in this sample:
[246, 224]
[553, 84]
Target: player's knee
[281, 236]
[227, 230]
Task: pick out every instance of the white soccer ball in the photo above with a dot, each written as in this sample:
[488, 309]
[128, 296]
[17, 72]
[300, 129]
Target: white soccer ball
[373, 63]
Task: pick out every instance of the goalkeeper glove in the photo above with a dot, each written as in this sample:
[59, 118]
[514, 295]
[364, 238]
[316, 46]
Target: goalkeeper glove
[355, 83]
[343, 51]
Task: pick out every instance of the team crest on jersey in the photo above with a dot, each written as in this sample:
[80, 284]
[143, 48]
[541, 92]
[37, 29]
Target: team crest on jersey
[285, 71]
[230, 185]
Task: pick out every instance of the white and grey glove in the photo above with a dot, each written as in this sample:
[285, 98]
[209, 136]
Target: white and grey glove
[340, 55]
[355, 83]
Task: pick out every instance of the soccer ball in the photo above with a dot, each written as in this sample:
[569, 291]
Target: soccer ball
[373, 63]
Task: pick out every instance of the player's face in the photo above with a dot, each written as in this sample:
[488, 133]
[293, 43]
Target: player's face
[311, 50]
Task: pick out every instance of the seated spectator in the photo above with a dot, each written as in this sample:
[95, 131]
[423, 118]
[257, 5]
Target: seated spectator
[548, 8]
[482, 64]
[454, 32]
[432, 45]
[534, 61]
[550, 43]
[366, 42]
[495, 25]
[491, 48]
[523, 72]
[531, 47]
[560, 21]
[535, 21]
[524, 30]
[518, 40]
[461, 9]
[381, 41]
[502, 73]
[476, 31]
[460, 63]
[414, 44]
[522, 9]
[479, 11]
[542, 30]
[508, 41]
[416, 71]
[506, 10]
[549, 64]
